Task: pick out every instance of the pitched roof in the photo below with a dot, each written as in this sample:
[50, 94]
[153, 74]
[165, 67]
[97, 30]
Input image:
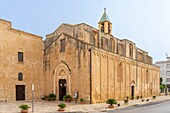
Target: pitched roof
[104, 17]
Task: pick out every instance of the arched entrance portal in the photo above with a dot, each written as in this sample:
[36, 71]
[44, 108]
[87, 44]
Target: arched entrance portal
[133, 88]
[132, 93]
[62, 88]
[62, 80]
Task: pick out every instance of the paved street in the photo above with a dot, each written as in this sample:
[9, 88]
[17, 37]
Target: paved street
[159, 107]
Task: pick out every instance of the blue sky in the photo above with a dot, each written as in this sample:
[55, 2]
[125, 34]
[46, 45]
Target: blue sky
[145, 22]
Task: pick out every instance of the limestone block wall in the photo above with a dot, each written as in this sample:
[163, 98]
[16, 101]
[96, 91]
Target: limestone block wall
[76, 59]
[13, 41]
[113, 77]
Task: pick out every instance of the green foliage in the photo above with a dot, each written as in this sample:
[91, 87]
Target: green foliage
[162, 86]
[81, 100]
[67, 97]
[127, 97]
[24, 106]
[62, 105]
[126, 101]
[44, 97]
[154, 96]
[137, 97]
[52, 96]
[141, 97]
[111, 101]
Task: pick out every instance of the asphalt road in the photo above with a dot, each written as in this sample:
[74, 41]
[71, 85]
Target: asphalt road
[158, 107]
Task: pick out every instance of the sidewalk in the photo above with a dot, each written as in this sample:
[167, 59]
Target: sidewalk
[52, 106]
[103, 107]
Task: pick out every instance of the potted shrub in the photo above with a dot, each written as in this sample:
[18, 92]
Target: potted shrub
[111, 102]
[126, 101]
[67, 98]
[140, 97]
[127, 97]
[44, 97]
[82, 101]
[52, 97]
[147, 100]
[132, 97]
[154, 96]
[24, 108]
[48, 98]
[61, 107]
[137, 97]
[142, 100]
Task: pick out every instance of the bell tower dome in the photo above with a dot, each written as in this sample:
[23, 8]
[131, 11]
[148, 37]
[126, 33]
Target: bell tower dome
[104, 25]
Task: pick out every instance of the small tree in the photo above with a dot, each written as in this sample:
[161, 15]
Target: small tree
[67, 98]
[52, 96]
[126, 101]
[62, 105]
[81, 100]
[24, 106]
[111, 102]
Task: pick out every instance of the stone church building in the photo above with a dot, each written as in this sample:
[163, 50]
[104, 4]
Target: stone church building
[75, 58]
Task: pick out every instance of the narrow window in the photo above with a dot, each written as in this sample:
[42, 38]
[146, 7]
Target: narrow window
[102, 43]
[120, 49]
[168, 66]
[168, 74]
[20, 76]
[131, 51]
[62, 45]
[102, 27]
[109, 28]
[20, 57]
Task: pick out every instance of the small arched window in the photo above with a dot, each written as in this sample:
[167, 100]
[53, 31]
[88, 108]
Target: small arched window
[20, 76]
[120, 49]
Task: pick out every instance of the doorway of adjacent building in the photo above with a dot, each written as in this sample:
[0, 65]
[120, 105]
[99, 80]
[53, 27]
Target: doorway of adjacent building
[62, 88]
[132, 93]
[20, 92]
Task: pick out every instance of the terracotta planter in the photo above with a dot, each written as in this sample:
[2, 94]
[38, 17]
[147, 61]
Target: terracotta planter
[110, 106]
[24, 111]
[68, 100]
[61, 109]
[82, 102]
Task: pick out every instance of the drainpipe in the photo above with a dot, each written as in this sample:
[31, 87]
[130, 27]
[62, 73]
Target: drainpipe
[90, 65]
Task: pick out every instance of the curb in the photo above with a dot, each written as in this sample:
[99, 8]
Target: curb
[138, 104]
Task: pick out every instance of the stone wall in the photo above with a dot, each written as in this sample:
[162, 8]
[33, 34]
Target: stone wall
[74, 63]
[13, 41]
[114, 75]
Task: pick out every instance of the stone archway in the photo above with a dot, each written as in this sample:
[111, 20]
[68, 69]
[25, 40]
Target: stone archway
[133, 88]
[62, 72]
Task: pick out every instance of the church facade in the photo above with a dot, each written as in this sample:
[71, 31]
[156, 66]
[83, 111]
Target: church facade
[97, 64]
[80, 58]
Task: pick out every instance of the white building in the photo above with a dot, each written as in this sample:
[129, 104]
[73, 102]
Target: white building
[165, 72]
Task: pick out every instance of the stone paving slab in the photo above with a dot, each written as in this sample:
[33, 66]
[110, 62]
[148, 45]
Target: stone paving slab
[52, 107]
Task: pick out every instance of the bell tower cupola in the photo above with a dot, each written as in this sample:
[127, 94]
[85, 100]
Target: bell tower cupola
[104, 24]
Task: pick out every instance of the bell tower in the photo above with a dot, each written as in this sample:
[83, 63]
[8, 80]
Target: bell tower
[104, 25]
